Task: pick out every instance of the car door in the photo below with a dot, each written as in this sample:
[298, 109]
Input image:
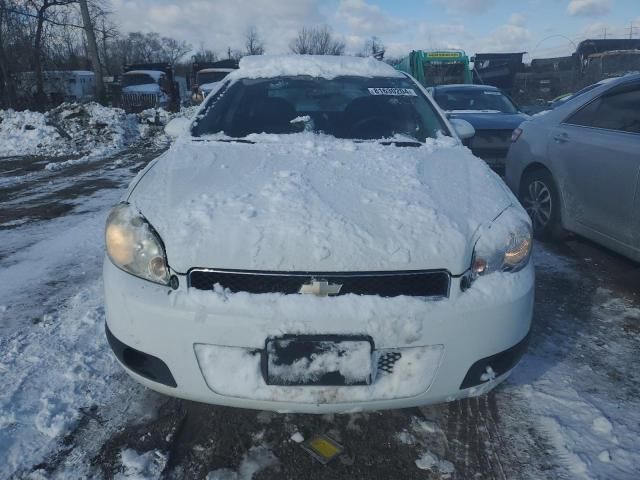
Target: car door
[597, 150]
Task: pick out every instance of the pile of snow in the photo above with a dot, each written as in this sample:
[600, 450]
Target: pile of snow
[69, 129]
[323, 66]
[27, 133]
[87, 131]
[146, 466]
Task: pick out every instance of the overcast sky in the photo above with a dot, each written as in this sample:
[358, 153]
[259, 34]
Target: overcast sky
[473, 25]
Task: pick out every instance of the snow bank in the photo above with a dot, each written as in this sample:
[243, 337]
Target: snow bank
[27, 133]
[70, 129]
[87, 131]
[323, 66]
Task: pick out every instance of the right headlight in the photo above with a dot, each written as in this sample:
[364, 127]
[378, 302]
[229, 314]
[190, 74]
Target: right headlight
[505, 245]
[134, 246]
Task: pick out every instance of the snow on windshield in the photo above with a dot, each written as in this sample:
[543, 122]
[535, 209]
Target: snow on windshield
[472, 100]
[135, 78]
[346, 107]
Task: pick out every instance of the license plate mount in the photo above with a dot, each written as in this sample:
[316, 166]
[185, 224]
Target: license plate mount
[318, 360]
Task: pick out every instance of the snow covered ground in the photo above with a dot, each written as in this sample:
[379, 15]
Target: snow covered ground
[571, 410]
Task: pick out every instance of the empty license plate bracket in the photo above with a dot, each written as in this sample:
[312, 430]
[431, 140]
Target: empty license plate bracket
[318, 360]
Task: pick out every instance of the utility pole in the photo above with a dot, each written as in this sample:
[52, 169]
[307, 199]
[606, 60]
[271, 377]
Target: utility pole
[604, 35]
[631, 29]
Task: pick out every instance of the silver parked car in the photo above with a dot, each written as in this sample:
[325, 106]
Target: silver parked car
[577, 167]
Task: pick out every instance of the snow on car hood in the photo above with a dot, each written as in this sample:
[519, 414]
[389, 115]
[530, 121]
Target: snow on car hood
[307, 202]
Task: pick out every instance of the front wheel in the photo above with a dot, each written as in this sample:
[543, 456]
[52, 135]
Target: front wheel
[540, 198]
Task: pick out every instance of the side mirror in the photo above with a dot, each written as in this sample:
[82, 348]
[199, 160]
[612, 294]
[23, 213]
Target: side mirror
[177, 127]
[463, 128]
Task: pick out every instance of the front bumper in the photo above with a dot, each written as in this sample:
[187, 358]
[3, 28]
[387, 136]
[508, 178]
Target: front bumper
[210, 341]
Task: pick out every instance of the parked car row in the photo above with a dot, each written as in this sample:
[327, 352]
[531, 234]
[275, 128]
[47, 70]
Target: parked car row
[155, 85]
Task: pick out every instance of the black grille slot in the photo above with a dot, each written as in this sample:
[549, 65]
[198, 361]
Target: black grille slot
[137, 102]
[416, 283]
[387, 361]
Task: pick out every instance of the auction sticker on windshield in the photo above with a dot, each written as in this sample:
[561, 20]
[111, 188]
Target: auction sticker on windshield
[393, 91]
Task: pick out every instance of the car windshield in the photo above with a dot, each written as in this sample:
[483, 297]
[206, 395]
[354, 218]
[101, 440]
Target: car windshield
[203, 78]
[441, 73]
[474, 99]
[132, 79]
[344, 107]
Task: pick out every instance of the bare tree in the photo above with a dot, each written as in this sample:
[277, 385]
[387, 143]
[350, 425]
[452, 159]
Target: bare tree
[173, 50]
[41, 8]
[138, 47]
[316, 41]
[252, 43]
[373, 47]
[92, 47]
[234, 54]
[8, 88]
[205, 55]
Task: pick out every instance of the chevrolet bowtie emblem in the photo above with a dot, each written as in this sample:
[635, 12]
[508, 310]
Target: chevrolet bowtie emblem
[320, 288]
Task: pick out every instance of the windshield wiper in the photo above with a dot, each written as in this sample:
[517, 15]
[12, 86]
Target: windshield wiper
[402, 143]
[396, 143]
[227, 140]
[235, 140]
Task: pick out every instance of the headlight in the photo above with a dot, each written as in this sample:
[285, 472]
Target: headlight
[505, 245]
[134, 246]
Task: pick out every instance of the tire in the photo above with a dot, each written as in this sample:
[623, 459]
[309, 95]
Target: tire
[540, 198]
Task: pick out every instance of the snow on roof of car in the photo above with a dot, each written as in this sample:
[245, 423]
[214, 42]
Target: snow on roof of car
[324, 66]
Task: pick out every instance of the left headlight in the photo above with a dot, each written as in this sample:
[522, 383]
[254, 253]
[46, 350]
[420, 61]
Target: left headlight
[134, 246]
[505, 245]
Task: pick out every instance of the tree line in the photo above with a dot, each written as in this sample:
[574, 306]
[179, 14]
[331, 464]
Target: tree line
[41, 35]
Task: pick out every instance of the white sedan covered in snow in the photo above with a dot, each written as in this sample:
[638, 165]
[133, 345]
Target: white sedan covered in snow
[318, 240]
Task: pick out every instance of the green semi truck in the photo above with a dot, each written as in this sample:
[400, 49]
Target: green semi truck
[441, 67]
